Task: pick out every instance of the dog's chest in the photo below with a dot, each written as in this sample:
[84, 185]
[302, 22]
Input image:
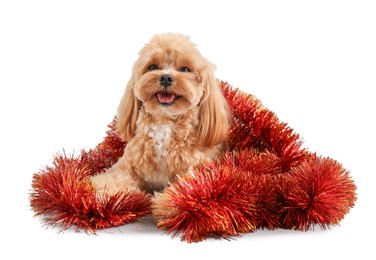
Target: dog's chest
[161, 135]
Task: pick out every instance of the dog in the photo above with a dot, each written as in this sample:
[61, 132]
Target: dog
[172, 115]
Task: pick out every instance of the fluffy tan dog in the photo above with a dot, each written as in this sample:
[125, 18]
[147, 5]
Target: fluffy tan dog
[172, 114]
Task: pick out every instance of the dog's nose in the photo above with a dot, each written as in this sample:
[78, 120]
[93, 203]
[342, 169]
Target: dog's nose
[166, 80]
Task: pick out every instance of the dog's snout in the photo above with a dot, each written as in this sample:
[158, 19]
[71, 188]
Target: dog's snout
[166, 80]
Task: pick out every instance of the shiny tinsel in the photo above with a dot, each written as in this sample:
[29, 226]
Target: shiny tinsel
[63, 195]
[265, 179]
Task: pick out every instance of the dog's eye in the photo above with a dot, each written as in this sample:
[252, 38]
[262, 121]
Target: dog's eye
[153, 67]
[185, 69]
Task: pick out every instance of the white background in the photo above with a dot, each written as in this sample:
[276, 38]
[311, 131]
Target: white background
[64, 66]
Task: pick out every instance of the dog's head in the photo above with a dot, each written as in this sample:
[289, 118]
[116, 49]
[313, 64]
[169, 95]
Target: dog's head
[170, 78]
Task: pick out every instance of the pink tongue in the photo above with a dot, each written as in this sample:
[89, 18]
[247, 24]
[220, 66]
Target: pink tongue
[165, 98]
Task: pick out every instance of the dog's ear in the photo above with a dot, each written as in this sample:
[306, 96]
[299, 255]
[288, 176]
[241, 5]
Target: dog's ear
[214, 113]
[128, 111]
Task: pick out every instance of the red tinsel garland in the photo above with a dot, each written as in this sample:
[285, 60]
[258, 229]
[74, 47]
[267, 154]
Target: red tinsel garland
[63, 195]
[264, 180]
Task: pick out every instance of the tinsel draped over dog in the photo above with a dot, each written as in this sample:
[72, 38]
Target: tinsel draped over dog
[265, 179]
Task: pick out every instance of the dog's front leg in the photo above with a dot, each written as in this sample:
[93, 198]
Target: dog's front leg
[120, 177]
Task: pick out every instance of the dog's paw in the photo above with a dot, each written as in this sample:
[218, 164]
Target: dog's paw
[162, 209]
[110, 184]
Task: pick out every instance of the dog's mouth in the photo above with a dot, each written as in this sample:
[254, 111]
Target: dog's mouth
[166, 98]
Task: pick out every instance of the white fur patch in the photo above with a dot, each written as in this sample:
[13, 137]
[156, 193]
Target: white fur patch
[161, 135]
